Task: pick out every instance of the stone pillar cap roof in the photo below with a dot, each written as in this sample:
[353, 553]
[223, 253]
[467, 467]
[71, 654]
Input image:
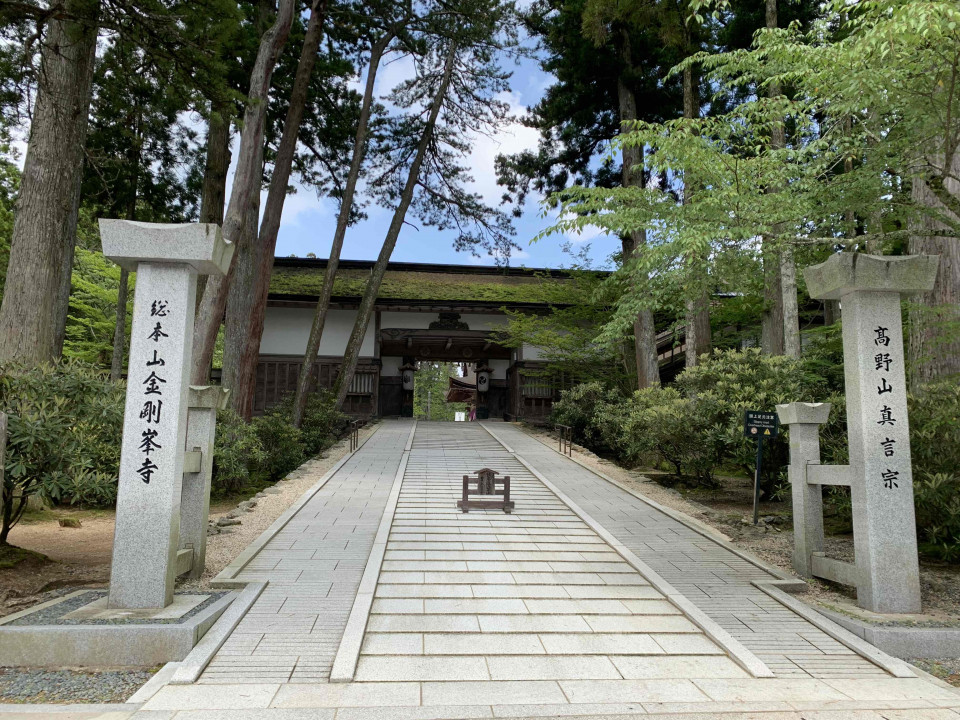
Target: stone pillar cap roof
[845, 273]
[199, 245]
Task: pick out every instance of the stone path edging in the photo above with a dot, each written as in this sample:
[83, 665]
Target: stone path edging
[348, 652]
[734, 648]
[196, 662]
[892, 665]
[226, 577]
[790, 584]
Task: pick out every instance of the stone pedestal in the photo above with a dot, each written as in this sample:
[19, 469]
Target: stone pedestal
[167, 259]
[202, 406]
[880, 475]
[803, 421]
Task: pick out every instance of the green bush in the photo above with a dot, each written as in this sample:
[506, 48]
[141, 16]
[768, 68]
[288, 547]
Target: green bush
[664, 426]
[237, 451]
[282, 443]
[322, 423]
[586, 409]
[935, 449]
[64, 423]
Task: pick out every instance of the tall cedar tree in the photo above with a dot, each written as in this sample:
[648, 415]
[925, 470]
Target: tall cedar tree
[321, 112]
[609, 67]
[56, 65]
[245, 193]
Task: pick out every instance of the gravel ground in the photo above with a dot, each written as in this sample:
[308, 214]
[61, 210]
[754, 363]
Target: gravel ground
[947, 669]
[19, 685]
[53, 615]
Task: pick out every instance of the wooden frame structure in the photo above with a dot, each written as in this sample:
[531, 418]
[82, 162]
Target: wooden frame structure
[486, 481]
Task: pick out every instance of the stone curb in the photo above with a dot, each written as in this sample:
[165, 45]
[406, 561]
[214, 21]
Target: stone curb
[348, 652]
[790, 584]
[196, 662]
[734, 648]
[51, 709]
[900, 641]
[34, 608]
[153, 685]
[892, 665]
[226, 577]
[102, 645]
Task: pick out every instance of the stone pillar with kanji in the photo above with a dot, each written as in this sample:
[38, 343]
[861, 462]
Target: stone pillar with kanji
[167, 260]
[869, 289]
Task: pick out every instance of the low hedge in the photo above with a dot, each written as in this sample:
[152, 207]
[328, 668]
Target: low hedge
[694, 429]
[66, 418]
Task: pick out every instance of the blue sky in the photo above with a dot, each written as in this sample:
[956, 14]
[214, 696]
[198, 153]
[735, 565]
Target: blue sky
[308, 222]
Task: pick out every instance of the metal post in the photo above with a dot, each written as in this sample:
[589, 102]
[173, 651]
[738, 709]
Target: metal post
[756, 480]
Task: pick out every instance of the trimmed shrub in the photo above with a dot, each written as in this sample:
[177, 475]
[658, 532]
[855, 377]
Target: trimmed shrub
[586, 409]
[282, 443]
[322, 423]
[935, 448]
[237, 451]
[65, 419]
[665, 427]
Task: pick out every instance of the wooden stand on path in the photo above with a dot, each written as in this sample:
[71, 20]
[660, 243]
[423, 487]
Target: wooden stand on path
[486, 481]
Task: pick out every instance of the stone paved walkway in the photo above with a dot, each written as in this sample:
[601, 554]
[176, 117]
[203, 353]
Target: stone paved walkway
[313, 565]
[715, 579]
[534, 614]
[534, 595]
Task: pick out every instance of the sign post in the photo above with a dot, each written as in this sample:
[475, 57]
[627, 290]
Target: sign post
[759, 425]
[167, 260]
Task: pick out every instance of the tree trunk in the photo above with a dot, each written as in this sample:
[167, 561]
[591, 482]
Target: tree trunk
[644, 332]
[771, 317]
[352, 354]
[935, 316]
[788, 268]
[120, 328]
[236, 333]
[244, 196]
[33, 315]
[697, 322]
[791, 310]
[343, 219]
[213, 195]
[247, 301]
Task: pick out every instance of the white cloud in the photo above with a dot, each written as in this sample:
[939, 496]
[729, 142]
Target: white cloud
[512, 138]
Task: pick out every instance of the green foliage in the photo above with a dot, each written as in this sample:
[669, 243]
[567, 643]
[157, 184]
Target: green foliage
[9, 185]
[664, 426]
[695, 428]
[65, 421]
[322, 422]
[432, 382]
[935, 448]
[92, 311]
[595, 414]
[237, 450]
[283, 443]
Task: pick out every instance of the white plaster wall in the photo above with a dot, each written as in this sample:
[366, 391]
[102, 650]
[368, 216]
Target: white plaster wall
[390, 365]
[531, 352]
[499, 369]
[422, 320]
[286, 330]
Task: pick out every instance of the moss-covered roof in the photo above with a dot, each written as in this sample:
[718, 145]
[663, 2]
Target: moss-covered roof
[450, 284]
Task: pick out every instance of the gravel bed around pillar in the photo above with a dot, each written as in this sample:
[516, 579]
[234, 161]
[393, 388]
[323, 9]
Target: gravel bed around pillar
[35, 685]
[53, 615]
